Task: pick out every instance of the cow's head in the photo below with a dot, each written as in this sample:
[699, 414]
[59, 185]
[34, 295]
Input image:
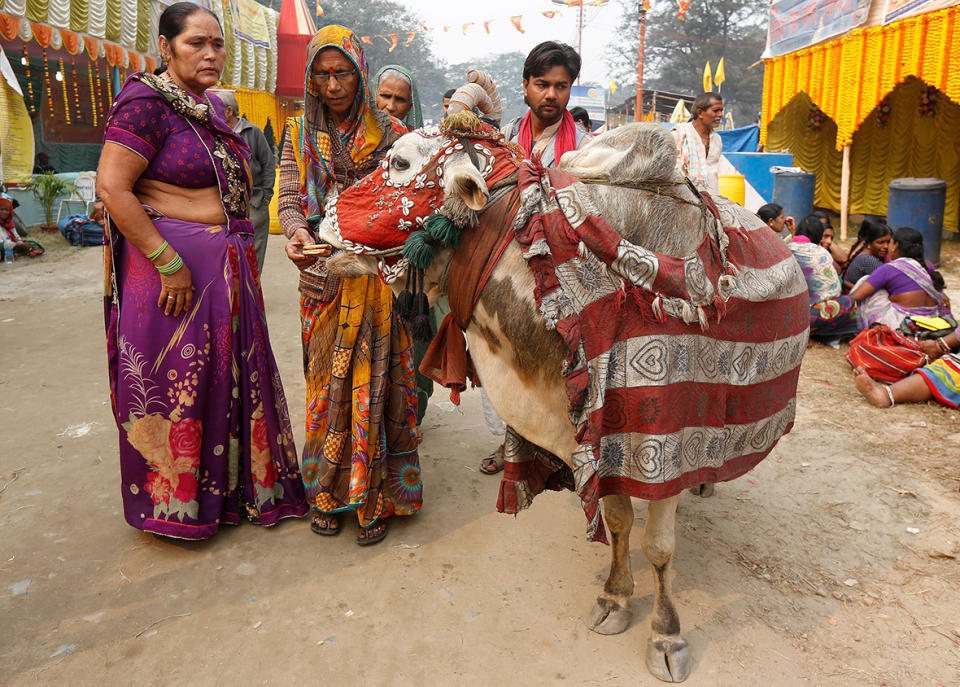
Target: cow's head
[430, 186]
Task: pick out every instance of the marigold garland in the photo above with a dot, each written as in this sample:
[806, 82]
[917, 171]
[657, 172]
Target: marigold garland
[31, 105]
[847, 78]
[93, 95]
[99, 103]
[63, 85]
[46, 81]
[76, 88]
[883, 112]
[928, 102]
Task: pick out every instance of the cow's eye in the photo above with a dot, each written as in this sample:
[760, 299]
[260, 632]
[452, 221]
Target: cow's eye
[400, 164]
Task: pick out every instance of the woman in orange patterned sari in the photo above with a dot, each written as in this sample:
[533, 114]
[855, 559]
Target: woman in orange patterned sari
[361, 444]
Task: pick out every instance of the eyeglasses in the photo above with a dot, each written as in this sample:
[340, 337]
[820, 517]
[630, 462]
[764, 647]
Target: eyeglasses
[325, 77]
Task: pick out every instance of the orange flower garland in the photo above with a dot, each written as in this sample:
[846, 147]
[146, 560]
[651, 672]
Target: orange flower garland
[63, 84]
[848, 77]
[31, 105]
[46, 81]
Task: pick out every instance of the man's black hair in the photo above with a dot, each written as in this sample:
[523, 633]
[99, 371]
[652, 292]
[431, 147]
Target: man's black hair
[449, 93]
[551, 54]
[580, 115]
[703, 102]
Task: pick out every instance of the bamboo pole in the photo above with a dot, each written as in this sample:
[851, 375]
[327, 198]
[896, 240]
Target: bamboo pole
[844, 192]
[638, 104]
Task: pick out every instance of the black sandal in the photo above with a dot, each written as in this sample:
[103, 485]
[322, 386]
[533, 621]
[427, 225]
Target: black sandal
[367, 541]
[328, 518]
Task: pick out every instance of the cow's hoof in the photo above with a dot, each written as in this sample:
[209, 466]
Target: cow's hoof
[608, 617]
[668, 659]
[702, 490]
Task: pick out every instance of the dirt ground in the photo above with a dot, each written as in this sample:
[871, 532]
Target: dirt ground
[834, 562]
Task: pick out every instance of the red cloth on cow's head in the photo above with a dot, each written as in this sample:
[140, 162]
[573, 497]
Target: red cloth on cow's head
[375, 214]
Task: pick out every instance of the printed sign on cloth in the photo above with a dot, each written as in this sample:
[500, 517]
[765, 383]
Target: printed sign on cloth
[796, 24]
[249, 22]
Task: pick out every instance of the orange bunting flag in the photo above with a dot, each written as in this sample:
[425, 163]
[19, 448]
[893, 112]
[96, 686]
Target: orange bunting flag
[684, 6]
[393, 42]
[446, 29]
[467, 26]
[516, 23]
[319, 9]
[424, 27]
[486, 26]
[366, 39]
[549, 14]
[410, 36]
[646, 5]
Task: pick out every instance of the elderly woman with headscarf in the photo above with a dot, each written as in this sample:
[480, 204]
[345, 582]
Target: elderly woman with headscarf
[361, 444]
[397, 95]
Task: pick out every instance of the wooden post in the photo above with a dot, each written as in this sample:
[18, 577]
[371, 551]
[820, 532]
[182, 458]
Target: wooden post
[638, 104]
[844, 192]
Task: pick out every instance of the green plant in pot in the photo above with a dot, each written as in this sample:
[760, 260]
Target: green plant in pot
[46, 188]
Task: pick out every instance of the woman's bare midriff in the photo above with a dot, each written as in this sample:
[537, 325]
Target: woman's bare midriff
[913, 299]
[201, 205]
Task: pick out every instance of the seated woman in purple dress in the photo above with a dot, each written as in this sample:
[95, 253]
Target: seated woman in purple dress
[902, 287]
[205, 436]
[868, 253]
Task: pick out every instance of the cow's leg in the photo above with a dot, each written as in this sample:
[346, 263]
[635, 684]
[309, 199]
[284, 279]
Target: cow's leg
[668, 656]
[612, 613]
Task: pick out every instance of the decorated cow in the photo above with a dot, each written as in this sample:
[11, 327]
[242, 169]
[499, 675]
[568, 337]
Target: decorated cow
[638, 336]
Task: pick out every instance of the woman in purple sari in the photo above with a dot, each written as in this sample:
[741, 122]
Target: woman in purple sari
[204, 432]
[903, 287]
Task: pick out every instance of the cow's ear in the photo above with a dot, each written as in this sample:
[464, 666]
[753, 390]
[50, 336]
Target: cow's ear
[466, 182]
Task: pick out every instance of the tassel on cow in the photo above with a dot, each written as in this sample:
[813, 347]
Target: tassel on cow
[418, 250]
[443, 229]
[404, 306]
[420, 326]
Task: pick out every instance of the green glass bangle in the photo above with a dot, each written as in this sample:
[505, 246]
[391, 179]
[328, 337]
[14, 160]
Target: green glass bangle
[171, 266]
[156, 254]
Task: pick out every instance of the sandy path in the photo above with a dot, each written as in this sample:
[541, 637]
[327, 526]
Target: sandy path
[803, 572]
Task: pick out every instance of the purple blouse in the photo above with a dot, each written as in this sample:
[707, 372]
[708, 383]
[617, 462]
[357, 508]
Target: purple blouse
[892, 280]
[148, 125]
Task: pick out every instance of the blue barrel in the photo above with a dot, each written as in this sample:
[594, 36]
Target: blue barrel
[918, 203]
[794, 191]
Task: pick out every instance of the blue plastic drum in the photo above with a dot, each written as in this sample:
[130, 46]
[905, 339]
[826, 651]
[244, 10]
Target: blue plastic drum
[918, 203]
[794, 191]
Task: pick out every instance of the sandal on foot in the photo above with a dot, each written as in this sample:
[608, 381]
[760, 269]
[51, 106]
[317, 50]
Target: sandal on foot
[326, 524]
[364, 539]
[493, 463]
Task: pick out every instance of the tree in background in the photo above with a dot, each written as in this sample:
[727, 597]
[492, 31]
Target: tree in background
[382, 17]
[506, 69]
[676, 50]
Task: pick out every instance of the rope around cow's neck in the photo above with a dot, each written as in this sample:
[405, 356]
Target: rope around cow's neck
[651, 187]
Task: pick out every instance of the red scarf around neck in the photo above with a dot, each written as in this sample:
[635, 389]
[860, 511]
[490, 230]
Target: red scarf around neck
[566, 136]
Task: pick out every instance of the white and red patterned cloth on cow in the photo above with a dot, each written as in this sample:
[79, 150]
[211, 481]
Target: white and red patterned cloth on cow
[681, 371]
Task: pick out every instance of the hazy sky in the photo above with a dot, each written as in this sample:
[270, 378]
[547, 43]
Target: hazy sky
[454, 47]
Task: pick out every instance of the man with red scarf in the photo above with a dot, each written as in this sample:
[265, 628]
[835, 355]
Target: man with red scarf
[547, 129]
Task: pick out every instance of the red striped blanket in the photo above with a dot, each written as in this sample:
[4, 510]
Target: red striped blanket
[681, 371]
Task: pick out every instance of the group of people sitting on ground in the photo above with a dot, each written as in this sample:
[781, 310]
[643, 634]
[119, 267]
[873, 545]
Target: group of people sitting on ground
[12, 232]
[883, 280]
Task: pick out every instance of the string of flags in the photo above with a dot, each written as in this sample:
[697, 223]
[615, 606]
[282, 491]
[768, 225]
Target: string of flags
[516, 21]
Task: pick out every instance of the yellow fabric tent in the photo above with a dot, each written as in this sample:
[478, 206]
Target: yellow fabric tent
[847, 78]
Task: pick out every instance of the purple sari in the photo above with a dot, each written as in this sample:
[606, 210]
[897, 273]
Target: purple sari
[205, 435]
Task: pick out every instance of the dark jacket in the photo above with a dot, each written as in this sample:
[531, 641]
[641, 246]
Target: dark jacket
[263, 165]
